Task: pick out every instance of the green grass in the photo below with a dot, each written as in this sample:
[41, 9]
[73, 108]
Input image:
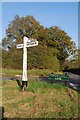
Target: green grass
[33, 72]
[34, 85]
[12, 72]
[40, 100]
[38, 72]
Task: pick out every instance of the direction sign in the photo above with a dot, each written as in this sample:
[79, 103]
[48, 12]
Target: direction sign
[32, 43]
[19, 46]
[28, 44]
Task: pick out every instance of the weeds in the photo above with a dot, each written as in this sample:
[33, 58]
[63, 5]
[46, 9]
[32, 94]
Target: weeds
[40, 100]
[34, 72]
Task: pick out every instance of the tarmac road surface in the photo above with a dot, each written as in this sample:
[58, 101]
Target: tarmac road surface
[73, 83]
[74, 80]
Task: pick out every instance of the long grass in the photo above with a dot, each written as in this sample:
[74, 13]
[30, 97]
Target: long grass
[6, 71]
[40, 100]
[34, 72]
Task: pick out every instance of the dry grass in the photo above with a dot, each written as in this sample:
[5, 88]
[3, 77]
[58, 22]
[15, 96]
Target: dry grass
[41, 100]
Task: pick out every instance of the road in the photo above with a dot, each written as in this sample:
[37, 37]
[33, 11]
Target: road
[74, 79]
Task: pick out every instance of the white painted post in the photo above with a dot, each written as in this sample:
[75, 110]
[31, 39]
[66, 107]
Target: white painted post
[26, 43]
[24, 77]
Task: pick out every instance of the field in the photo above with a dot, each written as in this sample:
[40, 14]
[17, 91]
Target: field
[40, 100]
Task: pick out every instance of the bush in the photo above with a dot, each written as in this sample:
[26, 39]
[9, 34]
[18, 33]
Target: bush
[43, 58]
[38, 57]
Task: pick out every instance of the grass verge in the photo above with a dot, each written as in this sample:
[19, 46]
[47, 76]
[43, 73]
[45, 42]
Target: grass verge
[32, 72]
[40, 100]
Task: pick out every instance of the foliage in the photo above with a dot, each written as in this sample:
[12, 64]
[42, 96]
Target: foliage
[12, 59]
[54, 45]
[43, 58]
[79, 59]
[73, 62]
[62, 42]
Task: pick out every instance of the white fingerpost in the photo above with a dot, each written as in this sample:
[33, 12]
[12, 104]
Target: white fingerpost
[26, 43]
[24, 78]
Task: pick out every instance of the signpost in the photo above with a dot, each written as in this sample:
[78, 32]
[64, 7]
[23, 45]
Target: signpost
[26, 43]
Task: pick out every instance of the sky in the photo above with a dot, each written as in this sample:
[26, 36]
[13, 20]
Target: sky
[61, 14]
